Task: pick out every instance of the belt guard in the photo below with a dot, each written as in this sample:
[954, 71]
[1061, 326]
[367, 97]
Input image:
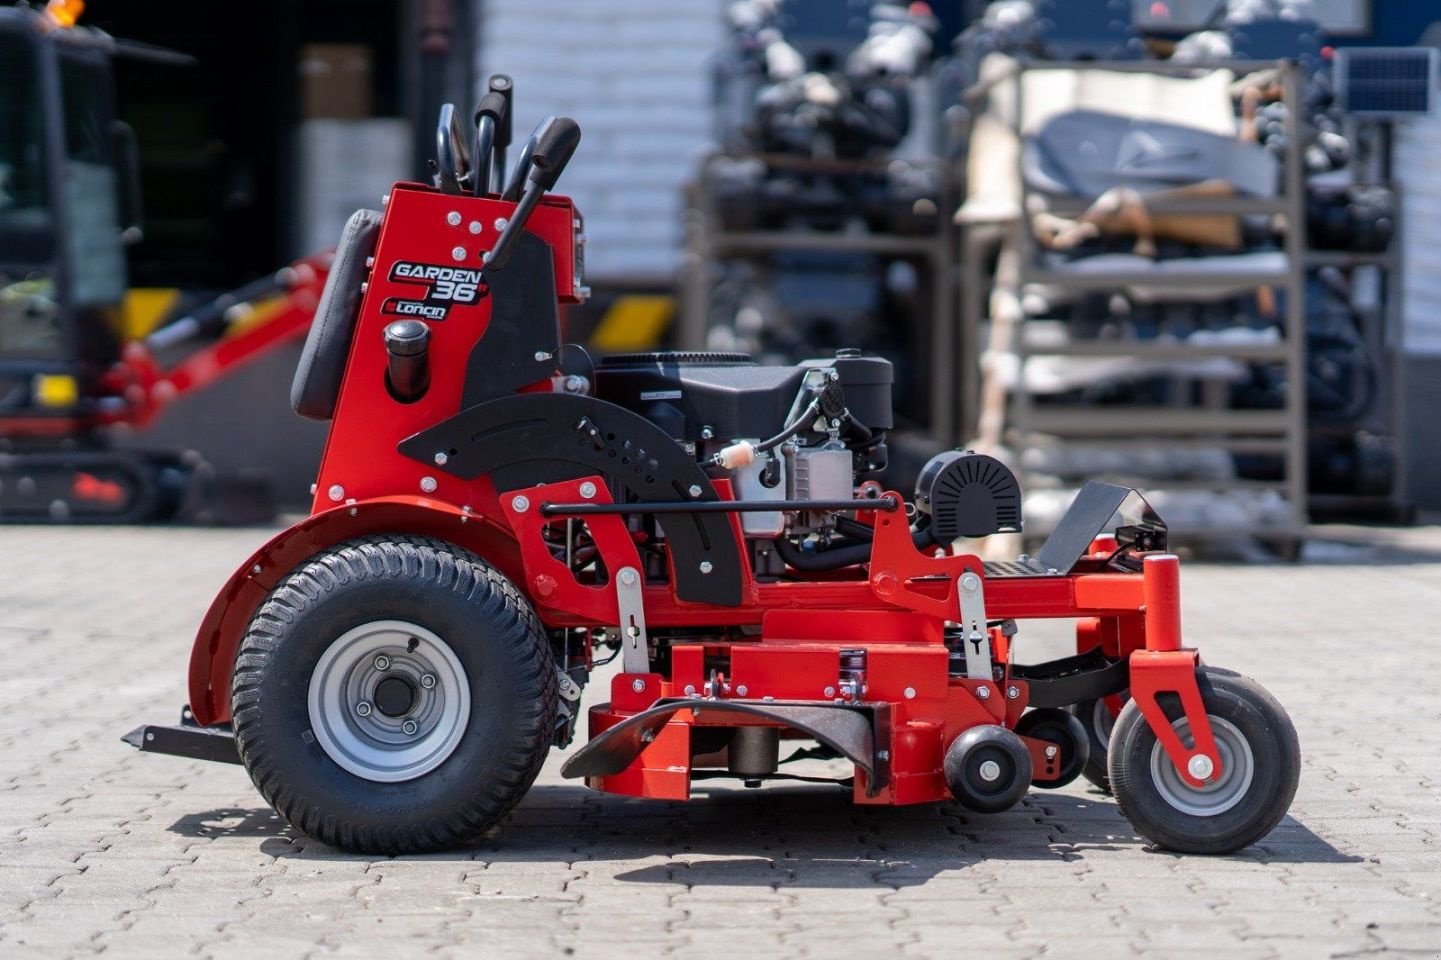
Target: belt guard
[846, 729]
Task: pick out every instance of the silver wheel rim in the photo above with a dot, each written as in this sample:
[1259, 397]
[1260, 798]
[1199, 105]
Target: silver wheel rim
[348, 722]
[1238, 767]
[1102, 721]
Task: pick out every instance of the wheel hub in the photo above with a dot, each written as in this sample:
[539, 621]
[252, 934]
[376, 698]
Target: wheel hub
[394, 696]
[389, 701]
[1219, 793]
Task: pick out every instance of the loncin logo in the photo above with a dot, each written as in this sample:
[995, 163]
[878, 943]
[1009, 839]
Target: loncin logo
[444, 287]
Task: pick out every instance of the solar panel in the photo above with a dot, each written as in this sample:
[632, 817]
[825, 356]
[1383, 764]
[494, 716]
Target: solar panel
[1387, 81]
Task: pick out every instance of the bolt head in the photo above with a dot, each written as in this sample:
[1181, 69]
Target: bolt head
[441, 459]
[428, 681]
[409, 728]
[1052, 750]
[910, 693]
[475, 226]
[690, 689]
[501, 223]
[694, 490]
[428, 484]
[363, 708]
[990, 771]
[983, 692]
[970, 581]
[541, 356]
[453, 218]
[457, 253]
[336, 493]
[520, 504]
[587, 490]
[706, 566]
[1012, 693]
[638, 685]
[829, 691]
[628, 577]
[256, 569]
[382, 662]
[1200, 767]
[706, 433]
[741, 690]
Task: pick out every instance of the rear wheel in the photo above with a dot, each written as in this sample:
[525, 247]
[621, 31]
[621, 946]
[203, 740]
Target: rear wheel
[1260, 769]
[1098, 720]
[394, 695]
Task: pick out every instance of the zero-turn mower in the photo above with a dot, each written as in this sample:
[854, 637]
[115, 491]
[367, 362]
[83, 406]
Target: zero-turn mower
[496, 515]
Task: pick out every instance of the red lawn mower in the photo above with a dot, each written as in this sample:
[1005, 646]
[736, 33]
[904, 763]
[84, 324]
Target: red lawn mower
[496, 516]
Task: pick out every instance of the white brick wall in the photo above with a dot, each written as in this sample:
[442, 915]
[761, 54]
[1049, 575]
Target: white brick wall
[1418, 144]
[636, 75]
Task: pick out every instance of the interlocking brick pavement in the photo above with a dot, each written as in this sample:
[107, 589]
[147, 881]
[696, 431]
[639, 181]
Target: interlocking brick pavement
[105, 850]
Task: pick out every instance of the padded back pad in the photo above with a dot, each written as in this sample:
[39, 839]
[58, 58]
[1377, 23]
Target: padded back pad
[322, 363]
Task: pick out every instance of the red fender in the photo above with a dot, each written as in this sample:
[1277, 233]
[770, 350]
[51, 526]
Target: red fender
[212, 659]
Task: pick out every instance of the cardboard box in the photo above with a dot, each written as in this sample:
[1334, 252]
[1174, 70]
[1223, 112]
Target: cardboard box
[335, 81]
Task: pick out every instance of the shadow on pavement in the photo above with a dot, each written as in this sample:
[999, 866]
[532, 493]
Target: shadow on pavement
[786, 836]
[232, 822]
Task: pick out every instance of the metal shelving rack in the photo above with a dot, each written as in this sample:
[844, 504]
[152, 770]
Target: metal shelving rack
[1382, 332]
[707, 244]
[1280, 432]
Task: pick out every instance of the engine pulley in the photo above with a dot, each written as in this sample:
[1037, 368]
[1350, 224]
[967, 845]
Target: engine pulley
[968, 494]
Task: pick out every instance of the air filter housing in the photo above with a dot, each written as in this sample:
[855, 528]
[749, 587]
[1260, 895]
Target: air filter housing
[968, 494]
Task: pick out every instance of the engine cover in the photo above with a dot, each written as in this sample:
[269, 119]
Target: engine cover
[732, 395]
[968, 494]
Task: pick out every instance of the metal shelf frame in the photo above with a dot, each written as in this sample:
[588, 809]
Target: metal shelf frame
[1280, 431]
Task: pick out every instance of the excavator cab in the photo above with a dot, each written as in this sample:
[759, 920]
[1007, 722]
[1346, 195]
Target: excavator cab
[68, 205]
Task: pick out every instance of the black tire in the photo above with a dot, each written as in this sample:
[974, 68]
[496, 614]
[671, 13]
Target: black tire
[507, 673]
[1098, 735]
[1243, 715]
[1068, 734]
[1009, 762]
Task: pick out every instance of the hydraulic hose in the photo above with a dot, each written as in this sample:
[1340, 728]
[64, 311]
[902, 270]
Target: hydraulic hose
[838, 557]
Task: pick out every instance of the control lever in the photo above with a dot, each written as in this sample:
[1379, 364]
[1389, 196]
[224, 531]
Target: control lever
[503, 87]
[546, 153]
[490, 162]
[452, 151]
[513, 187]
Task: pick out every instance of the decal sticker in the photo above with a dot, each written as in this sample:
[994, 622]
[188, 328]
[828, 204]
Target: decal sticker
[445, 286]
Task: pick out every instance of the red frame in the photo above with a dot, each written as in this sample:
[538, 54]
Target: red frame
[896, 606]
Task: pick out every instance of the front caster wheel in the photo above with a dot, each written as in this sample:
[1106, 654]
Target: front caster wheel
[1067, 735]
[394, 695]
[988, 768]
[1260, 760]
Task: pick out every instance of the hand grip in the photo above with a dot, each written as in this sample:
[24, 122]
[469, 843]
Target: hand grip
[497, 108]
[503, 87]
[555, 145]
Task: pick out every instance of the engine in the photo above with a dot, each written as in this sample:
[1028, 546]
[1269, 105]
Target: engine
[813, 433]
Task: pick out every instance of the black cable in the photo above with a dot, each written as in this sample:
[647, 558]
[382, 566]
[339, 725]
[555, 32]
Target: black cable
[807, 416]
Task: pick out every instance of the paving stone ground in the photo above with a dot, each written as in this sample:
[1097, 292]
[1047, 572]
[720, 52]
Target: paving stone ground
[105, 850]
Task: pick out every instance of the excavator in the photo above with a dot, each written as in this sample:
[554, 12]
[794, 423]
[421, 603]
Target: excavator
[76, 370]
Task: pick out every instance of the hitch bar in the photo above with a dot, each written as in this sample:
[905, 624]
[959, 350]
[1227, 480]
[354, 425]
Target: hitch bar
[186, 739]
